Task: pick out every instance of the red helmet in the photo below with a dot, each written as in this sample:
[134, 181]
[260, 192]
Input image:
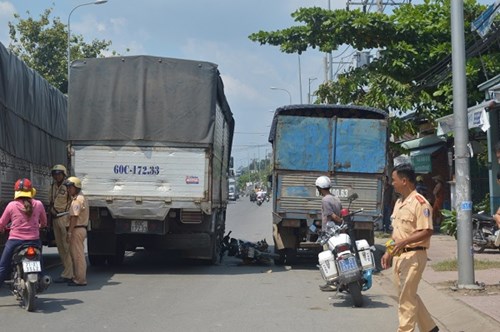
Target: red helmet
[23, 184]
[344, 212]
[24, 188]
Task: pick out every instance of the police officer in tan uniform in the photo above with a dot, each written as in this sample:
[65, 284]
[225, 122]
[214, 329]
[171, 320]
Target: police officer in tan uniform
[77, 231]
[59, 205]
[412, 230]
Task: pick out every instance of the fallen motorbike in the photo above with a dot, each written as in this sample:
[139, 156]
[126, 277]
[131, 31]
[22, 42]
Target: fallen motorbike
[26, 275]
[249, 252]
[346, 265]
[484, 233]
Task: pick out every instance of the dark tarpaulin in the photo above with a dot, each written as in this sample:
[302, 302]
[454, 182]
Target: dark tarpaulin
[33, 114]
[145, 98]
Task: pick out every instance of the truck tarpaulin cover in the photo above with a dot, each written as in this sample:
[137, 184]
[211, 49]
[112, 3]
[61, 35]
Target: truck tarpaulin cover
[33, 114]
[145, 98]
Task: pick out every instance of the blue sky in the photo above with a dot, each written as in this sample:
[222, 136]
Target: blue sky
[215, 31]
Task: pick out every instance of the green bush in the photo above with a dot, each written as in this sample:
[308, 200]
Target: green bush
[449, 223]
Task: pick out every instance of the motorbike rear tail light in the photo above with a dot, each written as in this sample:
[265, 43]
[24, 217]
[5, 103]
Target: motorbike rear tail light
[30, 253]
[342, 247]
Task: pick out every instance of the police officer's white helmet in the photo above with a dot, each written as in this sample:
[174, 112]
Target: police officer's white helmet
[323, 182]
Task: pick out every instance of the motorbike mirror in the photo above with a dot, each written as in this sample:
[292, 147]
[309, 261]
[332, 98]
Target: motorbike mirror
[353, 197]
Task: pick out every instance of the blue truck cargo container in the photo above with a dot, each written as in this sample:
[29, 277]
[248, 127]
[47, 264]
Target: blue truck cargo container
[348, 144]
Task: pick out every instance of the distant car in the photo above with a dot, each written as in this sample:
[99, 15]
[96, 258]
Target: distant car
[253, 196]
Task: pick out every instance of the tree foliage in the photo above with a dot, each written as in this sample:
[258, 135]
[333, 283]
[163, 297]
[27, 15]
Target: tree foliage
[42, 44]
[412, 69]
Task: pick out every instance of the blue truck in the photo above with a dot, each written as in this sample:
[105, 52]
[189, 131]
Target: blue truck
[347, 143]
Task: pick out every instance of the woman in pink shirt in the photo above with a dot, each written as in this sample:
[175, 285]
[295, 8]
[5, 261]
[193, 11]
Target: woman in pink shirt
[26, 216]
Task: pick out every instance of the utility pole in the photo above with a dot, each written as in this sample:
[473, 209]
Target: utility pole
[461, 133]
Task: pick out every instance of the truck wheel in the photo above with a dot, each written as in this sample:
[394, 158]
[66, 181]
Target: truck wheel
[291, 256]
[97, 260]
[117, 258]
[280, 260]
[355, 290]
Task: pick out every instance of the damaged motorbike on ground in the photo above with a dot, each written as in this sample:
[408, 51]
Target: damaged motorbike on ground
[249, 252]
[348, 263]
[484, 233]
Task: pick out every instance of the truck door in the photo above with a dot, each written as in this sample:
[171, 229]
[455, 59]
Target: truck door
[359, 145]
[303, 143]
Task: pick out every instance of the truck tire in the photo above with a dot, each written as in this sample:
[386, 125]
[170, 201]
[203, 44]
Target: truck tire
[280, 260]
[118, 257]
[286, 256]
[355, 291]
[291, 256]
[97, 260]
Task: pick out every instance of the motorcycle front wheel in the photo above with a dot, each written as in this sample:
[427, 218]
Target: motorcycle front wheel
[29, 295]
[355, 291]
[477, 239]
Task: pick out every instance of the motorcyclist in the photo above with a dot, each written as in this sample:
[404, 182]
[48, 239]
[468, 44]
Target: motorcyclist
[261, 195]
[330, 211]
[26, 216]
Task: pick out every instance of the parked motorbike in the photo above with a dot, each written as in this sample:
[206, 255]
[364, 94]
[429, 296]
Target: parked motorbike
[483, 233]
[348, 263]
[249, 252]
[26, 276]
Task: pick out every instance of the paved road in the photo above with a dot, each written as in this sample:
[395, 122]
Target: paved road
[153, 293]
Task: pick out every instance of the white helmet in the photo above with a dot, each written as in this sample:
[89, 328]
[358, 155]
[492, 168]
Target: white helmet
[323, 182]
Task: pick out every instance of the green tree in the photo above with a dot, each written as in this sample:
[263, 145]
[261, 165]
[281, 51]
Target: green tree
[412, 69]
[42, 44]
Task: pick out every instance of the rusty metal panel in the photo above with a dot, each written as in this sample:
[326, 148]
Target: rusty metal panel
[360, 145]
[303, 143]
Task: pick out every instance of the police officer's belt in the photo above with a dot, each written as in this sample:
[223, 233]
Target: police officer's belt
[413, 249]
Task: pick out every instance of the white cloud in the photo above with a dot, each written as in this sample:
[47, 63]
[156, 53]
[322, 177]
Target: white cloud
[118, 25]
[89, 27]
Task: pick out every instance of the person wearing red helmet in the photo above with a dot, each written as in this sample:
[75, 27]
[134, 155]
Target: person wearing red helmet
[26, 216]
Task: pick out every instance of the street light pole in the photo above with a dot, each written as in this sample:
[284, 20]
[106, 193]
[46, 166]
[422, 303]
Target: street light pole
[309, 94]
[97, 2]
[289, 94]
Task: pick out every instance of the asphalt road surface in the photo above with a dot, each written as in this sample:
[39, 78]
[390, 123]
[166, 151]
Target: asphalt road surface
[152, 292]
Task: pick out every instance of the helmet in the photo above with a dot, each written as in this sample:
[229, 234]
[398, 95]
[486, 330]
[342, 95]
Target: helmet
[59, 168]
[323, 182]
[24, 188]
[74, 181]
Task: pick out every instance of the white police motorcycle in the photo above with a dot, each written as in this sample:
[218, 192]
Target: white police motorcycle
[346, 265]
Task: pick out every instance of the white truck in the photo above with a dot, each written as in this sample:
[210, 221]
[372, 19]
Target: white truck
[151, 139]
[33, 128]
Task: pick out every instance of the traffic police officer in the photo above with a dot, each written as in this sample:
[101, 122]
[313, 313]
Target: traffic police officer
[59, 205]
[77, 231]
[412, 230]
